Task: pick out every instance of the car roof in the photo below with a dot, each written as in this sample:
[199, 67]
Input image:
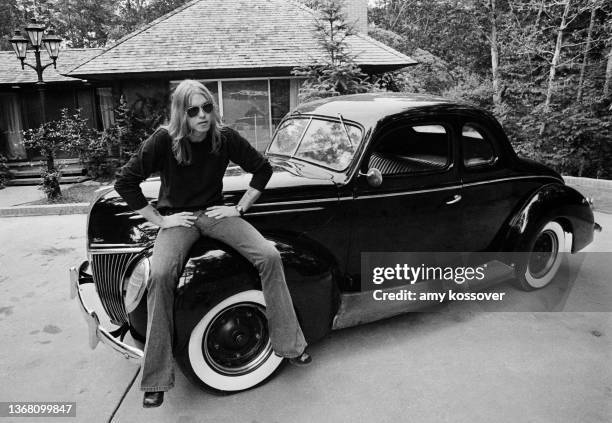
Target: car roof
[368, 109]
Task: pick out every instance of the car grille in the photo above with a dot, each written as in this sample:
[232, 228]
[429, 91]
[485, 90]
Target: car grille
[108, 270]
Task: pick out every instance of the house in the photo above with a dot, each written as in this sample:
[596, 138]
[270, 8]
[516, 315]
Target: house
[20, 106]
[242, 50]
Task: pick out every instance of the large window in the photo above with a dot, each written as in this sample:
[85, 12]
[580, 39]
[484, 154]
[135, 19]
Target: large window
[246, 108]
[253, 107]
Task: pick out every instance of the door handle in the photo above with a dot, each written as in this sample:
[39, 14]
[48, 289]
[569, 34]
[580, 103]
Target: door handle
[456, 198]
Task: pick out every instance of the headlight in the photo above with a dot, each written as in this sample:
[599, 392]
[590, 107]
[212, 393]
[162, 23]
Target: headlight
[136, 284]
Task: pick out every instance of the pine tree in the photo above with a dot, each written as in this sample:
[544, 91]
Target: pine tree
[337, 72]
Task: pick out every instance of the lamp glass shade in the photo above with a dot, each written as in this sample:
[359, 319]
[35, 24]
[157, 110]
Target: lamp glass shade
[35, 32]
[20, 45]
[52, 43]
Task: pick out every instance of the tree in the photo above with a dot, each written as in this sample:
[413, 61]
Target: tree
[497, 99]
[84, 23]
[555, 60]
[336, 73]
[534, 57]
[587, 49]
[70, 133]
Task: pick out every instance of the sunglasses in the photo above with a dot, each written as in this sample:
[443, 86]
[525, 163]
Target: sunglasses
[206, 108]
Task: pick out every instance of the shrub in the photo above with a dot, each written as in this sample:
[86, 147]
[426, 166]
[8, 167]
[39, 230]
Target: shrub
[5, 173]
[49, 183]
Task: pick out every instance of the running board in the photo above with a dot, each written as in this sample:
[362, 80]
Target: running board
[357, 308]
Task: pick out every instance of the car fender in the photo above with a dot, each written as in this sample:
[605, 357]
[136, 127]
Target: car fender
[214, 270]
[553, 201]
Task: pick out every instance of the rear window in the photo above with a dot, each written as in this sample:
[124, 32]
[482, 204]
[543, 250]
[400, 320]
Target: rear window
[477, 147]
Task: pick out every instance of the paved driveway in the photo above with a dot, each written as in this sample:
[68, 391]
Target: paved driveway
[463, 363]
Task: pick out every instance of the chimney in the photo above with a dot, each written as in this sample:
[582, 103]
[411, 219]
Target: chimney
[357, 14]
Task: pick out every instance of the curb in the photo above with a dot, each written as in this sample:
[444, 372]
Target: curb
[588, 182]
[44, 210]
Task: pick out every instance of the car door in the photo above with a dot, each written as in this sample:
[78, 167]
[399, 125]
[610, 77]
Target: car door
[418, 205]
[491, 189]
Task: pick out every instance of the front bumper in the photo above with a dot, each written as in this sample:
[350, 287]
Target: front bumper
[97, 333]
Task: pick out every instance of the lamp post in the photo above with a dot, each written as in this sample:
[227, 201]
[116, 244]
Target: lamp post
[37, 38]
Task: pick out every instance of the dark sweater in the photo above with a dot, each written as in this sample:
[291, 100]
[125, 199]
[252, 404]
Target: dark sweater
[195, 186]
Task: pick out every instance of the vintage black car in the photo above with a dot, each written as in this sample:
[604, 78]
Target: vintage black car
[352, 174]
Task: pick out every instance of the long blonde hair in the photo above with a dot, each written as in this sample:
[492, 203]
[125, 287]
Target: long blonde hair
[178, 127]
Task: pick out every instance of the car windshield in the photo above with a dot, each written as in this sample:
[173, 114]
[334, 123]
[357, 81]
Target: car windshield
[331, 144]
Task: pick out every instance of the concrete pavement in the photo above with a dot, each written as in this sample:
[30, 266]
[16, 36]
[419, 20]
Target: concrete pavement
[459, 364]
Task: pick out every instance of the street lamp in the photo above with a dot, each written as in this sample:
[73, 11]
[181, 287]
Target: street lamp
[37, 38]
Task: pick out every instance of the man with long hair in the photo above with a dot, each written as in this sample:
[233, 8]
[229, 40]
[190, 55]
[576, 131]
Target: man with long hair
[191, 154]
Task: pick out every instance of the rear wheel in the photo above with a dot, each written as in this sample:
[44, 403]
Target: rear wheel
[539, 264]
[229, 350]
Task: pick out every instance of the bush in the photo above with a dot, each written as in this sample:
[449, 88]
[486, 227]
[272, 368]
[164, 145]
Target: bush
[69, 134]
[574, 141]
[49, 183]
[5, 173]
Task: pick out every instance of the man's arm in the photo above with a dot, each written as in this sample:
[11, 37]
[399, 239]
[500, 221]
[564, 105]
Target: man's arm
[249, 159]
[219, 212]
[150, 213]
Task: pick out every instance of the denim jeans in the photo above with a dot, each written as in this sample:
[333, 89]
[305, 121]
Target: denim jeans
[169, 255]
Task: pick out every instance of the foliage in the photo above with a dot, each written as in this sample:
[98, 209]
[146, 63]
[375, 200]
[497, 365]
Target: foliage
[5, 173]
[83, 23]
[336, 73]
[49, 183]
[554, 102]
[578, 143]
[70, 133]
[449, 29]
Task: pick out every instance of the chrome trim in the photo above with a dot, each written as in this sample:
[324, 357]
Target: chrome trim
[514, 178]
[395, 194]
[456, 198]
[284, 211]
[115, 250]
[108, 269]
[290, 203]
[98, 333]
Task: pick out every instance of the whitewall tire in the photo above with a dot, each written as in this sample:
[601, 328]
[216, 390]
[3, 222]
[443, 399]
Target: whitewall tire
[546, 250]
[229, 349]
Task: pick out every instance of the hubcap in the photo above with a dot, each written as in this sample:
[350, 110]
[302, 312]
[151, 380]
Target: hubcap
[237, 341]
[544, 254]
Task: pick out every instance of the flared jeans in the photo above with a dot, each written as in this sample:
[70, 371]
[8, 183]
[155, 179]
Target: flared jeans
[169, 256]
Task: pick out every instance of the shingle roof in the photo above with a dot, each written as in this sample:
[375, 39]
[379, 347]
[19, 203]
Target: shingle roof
[11, 73]
[229, 34]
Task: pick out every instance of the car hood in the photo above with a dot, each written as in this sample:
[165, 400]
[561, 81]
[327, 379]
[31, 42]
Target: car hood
[113, 223]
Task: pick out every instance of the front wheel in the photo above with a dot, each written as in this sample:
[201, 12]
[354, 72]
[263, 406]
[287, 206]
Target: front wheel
[540, 263]
[229, 350]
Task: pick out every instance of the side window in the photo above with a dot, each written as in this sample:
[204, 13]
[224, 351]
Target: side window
[477, 146]
[410, 149]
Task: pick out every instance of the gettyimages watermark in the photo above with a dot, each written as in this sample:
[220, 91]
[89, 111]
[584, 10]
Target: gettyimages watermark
[496, 281]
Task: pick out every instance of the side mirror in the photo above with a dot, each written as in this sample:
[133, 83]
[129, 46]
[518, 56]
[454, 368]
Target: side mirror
[374, 177]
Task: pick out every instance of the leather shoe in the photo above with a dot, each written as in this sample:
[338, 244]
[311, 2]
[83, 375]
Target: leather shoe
[303, 360]
[152, 399]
